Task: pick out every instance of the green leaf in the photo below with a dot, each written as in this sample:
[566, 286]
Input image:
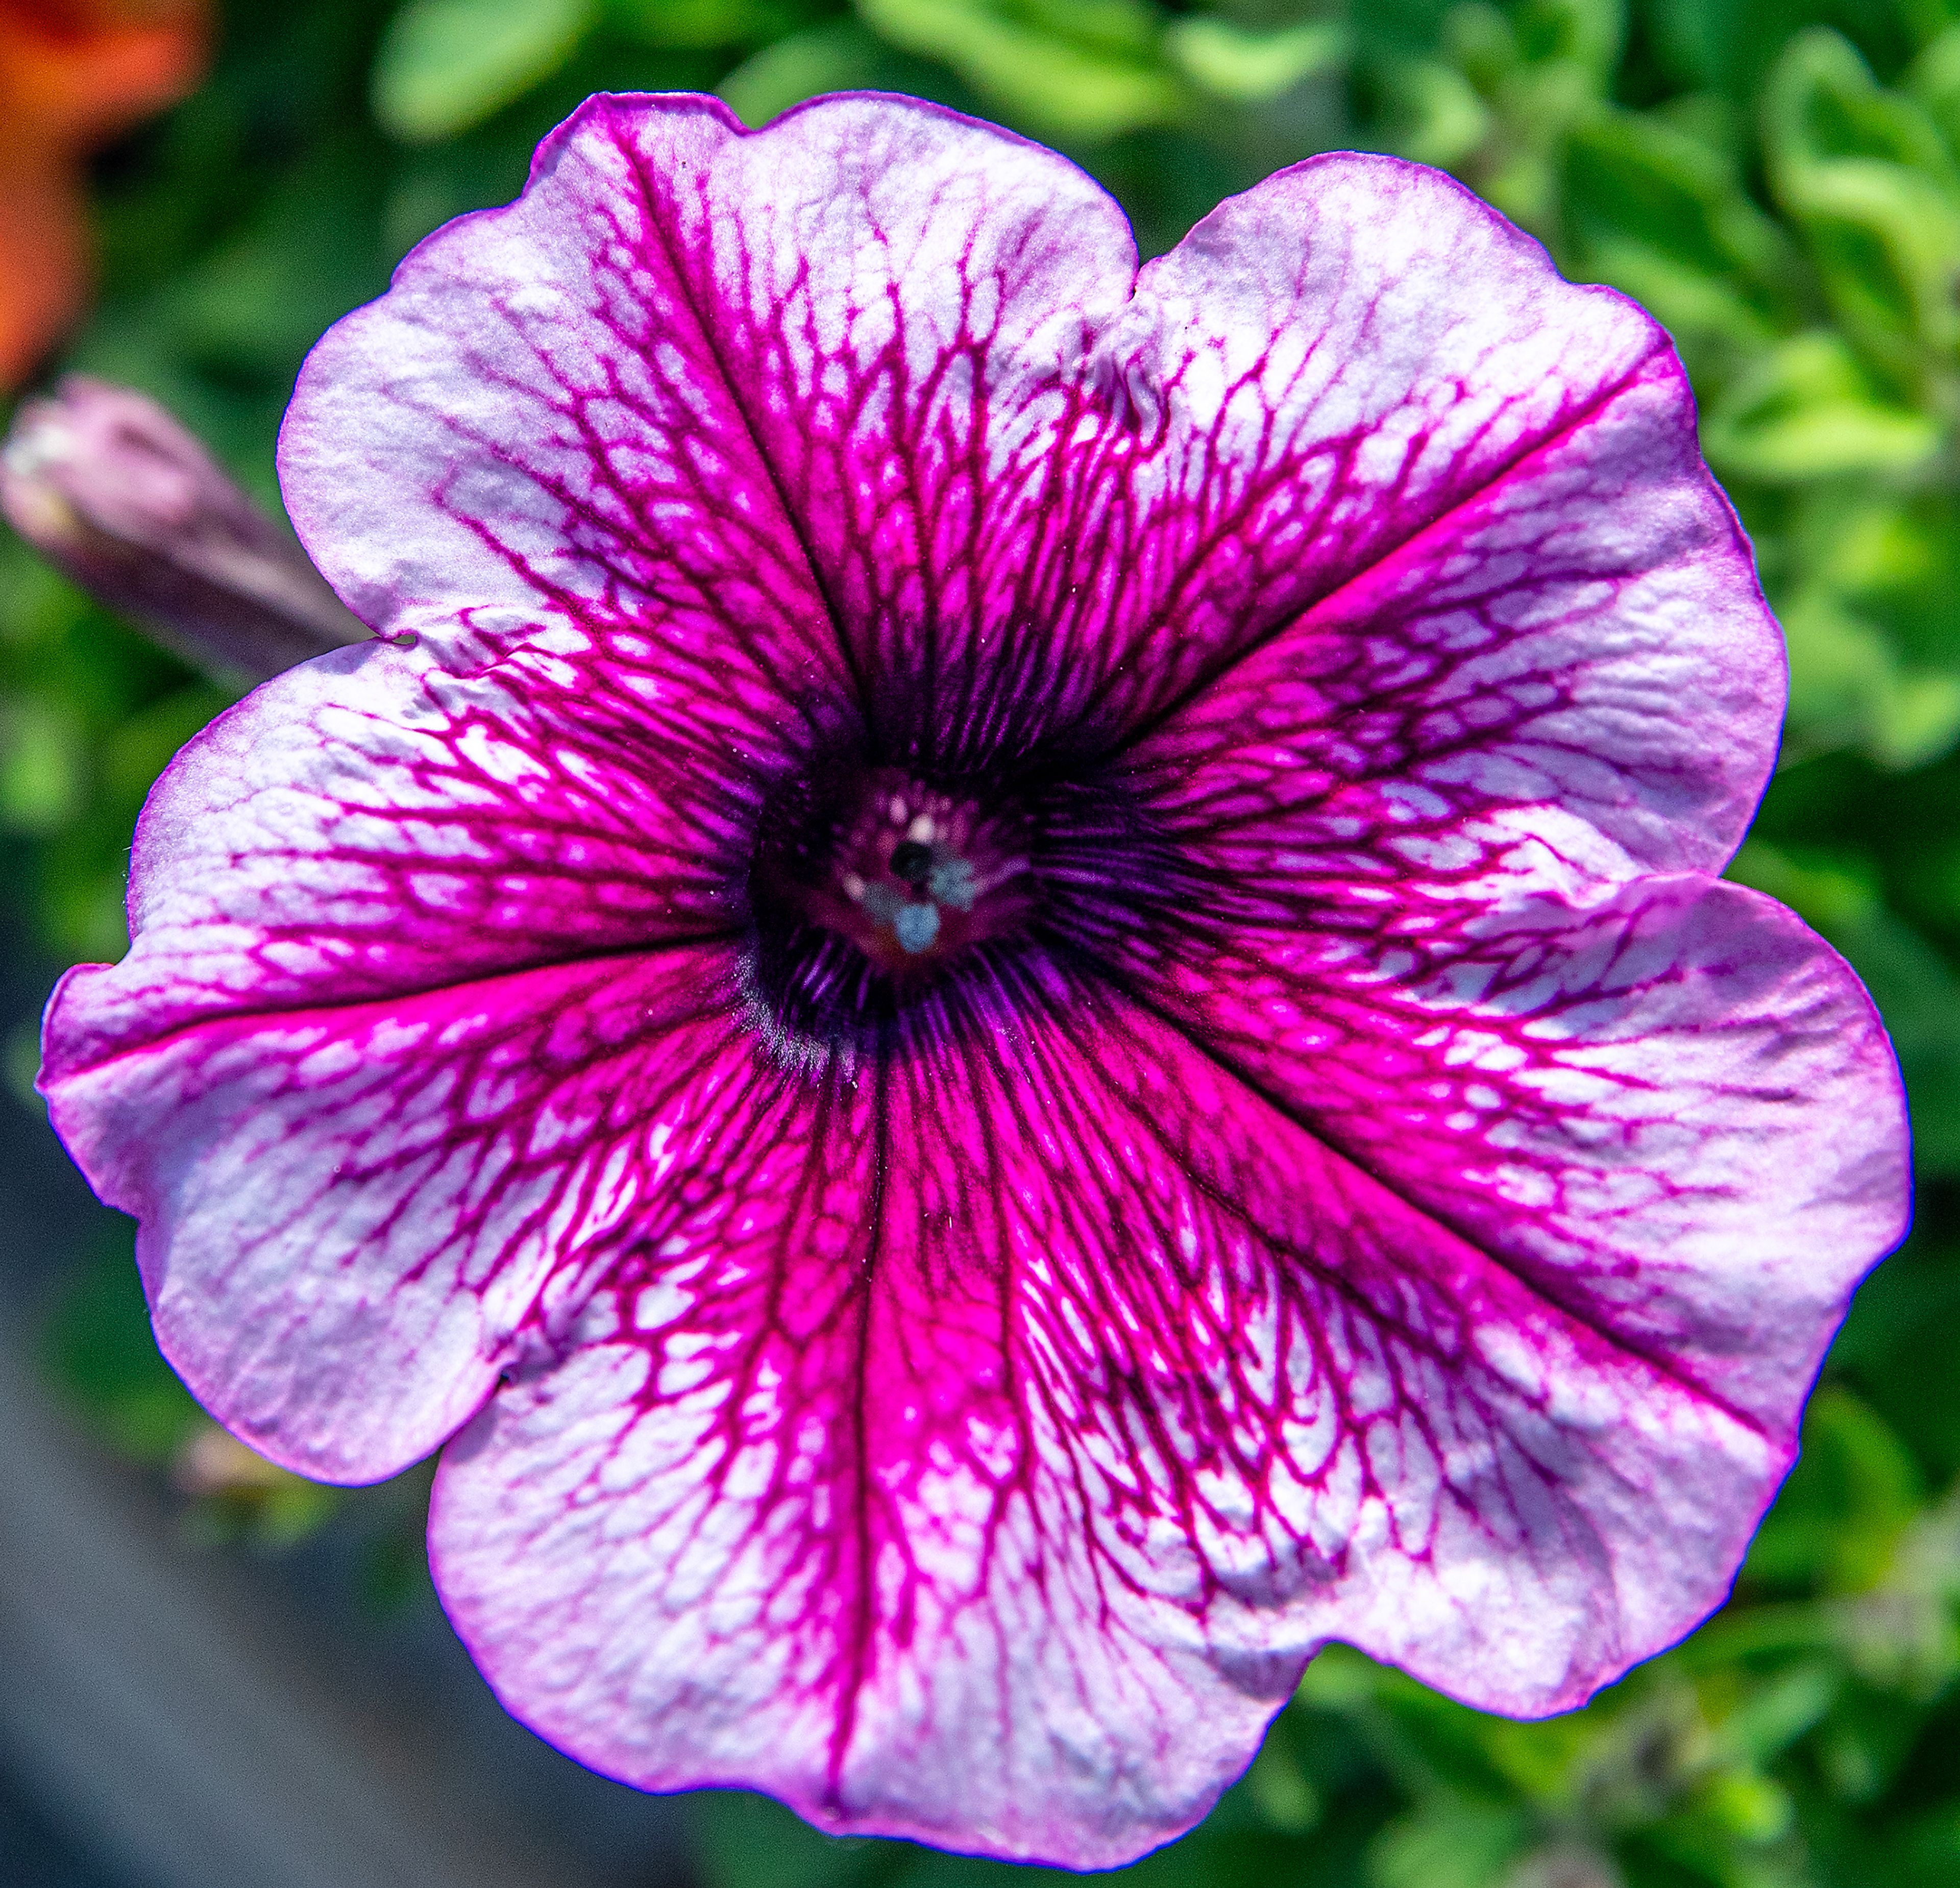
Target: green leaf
[142, 744]
[1088, 72]
[1740, 1806]
[1886, 243]
[1930, 1848]
[838, 57]
[1433, 113]
[1717, 328]
[446, 65]
[1481, 41]
[1729, 45]
[1892, 559]
[1836, 1525]
[1635, 178]
[1849, 688]
[1868, 175]
[1340, 1679]
[1249, 68]
[1934, 85]
[743, 1841]
[1833, 895]
[1586, 32]
[1450, 1843]
[1810, 410]
[99, 1348]
[697, 25]
[1281, 1790]
[41, 779]
[1823, 104]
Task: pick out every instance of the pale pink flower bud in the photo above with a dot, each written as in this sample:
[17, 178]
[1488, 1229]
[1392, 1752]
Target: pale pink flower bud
[103, 482]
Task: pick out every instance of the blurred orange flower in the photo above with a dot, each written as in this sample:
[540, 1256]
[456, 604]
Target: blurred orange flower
[73, 75]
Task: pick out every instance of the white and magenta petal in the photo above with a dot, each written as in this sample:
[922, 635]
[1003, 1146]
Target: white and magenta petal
[1416, 510]
[982, 1461]
[789, 1507]
[768, 383]
[392, 926]
[1672, 1113]
[368, 824]
[352, 1216]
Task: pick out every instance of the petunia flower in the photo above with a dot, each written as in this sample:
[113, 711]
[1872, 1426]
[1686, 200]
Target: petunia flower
[1009, 994]
[74, 74]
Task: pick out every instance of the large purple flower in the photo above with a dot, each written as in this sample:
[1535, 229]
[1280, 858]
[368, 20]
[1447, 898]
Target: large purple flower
[1011, 982]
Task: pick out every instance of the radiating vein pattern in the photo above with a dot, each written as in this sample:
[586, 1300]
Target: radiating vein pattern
[1007, 989]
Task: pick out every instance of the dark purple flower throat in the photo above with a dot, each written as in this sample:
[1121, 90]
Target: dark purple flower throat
[891, 899]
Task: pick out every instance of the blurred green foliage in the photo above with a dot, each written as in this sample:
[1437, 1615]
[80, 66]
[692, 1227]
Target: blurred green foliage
[1779, 181]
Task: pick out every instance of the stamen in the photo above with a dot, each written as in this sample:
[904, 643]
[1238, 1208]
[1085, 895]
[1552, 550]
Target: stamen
[916, 927]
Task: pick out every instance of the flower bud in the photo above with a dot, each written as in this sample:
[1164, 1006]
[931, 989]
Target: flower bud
[109, 486]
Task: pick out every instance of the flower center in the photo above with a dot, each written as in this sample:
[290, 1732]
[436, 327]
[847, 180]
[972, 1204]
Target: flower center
[917, 876]
[870, 889]
[892, 906]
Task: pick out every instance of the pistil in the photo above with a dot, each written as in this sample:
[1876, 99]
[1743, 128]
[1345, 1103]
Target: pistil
[919, 874]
